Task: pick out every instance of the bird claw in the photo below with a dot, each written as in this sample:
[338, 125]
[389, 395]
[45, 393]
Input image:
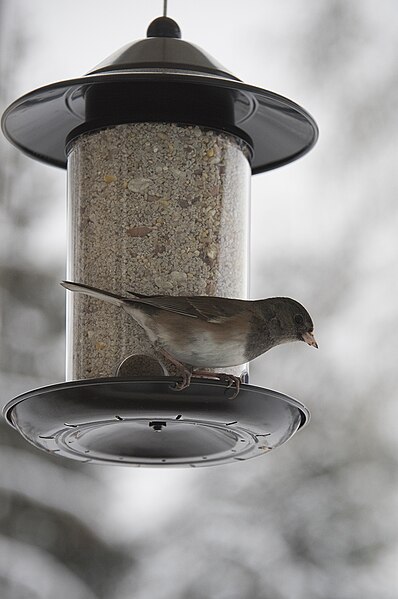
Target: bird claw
[229, 379]
[186, 376]
[232, 380]
[184, 383]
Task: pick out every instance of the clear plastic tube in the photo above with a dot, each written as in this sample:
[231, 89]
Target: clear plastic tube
[155, 208]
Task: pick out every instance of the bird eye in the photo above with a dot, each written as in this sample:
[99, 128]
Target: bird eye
[298, 319]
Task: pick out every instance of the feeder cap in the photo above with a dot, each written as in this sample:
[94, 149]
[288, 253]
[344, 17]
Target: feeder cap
[162, 49]
[163, 27]
[160, 79]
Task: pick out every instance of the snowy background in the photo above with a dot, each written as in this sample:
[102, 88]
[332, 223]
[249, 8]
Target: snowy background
[319, 517]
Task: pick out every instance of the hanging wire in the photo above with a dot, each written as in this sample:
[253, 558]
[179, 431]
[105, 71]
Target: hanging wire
[165, 8]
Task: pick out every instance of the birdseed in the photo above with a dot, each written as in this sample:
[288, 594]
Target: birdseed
[156, 208]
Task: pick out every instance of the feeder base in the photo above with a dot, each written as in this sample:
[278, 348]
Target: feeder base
[144, 422]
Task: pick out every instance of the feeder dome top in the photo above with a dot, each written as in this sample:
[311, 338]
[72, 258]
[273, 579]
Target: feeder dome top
[161, 78]
[163, 49]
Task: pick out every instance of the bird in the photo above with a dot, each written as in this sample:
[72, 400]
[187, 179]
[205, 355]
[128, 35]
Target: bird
[199, 332]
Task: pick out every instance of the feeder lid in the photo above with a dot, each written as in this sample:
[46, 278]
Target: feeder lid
[145, 422]
[160, 79]
[163, 49]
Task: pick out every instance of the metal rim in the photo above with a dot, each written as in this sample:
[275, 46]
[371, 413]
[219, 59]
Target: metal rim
[306, 415]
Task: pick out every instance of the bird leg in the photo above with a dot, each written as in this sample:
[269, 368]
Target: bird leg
[230, 379]
[187, 373]
[182, 370]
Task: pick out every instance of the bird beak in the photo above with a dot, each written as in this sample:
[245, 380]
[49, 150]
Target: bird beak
[310, 339]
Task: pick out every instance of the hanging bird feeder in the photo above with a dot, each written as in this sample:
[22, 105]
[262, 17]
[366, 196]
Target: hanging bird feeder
[160, 142]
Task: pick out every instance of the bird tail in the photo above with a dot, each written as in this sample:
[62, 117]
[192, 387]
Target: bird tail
[106, 296]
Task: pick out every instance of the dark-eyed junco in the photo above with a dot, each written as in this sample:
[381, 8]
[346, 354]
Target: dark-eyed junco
[211, 332]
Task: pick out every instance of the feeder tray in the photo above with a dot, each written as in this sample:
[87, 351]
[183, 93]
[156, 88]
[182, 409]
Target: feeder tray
[144, 422]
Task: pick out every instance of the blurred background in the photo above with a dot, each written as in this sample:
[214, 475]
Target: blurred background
[319, 517]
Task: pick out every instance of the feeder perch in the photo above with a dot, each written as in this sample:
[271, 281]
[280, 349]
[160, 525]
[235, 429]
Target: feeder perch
[160, 142]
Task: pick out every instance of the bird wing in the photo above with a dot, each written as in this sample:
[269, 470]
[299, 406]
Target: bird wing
[217, 309]
[211, 309]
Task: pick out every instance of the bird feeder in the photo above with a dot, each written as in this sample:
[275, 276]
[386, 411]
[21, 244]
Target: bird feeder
[159, 142]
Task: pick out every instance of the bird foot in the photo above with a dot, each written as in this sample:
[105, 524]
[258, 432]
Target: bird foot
[232, 380]
[186, 376]
[229, 379]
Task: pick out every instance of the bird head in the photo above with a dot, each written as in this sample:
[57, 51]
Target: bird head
[295, 321]
[302, 323]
